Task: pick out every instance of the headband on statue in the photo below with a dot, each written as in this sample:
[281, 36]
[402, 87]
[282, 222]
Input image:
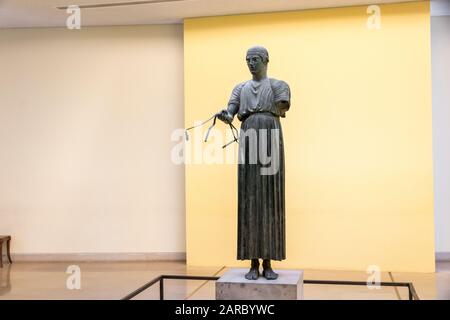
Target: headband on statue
[260, 51]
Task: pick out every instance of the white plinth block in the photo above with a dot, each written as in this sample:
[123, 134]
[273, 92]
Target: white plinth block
[233, 286]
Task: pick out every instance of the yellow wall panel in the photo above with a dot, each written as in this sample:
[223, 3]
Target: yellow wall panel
[358, 137]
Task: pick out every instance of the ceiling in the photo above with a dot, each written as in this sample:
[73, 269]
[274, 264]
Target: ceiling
[44, 13]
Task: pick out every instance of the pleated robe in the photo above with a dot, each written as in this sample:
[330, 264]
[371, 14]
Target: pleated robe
[261, 184]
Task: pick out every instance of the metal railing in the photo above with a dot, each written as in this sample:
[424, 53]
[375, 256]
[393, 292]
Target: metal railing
[412, 295]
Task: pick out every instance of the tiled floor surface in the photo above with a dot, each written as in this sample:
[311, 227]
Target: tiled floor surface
[114, 280]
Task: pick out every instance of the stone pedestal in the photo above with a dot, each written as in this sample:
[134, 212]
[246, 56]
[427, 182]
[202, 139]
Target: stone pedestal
[233, 286]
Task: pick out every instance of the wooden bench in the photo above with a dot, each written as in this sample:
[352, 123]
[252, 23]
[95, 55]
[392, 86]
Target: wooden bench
[6, 239]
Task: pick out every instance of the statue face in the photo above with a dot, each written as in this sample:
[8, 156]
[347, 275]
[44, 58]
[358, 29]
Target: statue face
[255, 64]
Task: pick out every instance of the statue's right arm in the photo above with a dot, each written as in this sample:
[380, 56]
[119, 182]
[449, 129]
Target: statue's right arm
[233, 109]
[227, 115]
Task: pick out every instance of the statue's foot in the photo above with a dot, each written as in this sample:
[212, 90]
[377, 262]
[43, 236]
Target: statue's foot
[253, 274]
[269, 274]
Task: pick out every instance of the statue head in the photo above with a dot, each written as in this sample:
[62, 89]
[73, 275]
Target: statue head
[257, 59]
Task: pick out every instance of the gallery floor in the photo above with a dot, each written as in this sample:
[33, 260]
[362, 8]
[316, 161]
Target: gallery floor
[114, 280]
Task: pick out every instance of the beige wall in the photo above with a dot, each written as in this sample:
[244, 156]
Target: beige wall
[85, 124]
[440, 49]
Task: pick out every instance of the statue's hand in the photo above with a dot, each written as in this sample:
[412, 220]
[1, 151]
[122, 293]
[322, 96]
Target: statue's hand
[225, 116]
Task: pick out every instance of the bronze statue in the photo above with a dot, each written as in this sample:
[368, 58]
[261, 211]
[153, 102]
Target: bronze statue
[259, 103]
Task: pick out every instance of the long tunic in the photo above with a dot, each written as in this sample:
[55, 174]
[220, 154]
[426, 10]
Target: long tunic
[261, 194]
